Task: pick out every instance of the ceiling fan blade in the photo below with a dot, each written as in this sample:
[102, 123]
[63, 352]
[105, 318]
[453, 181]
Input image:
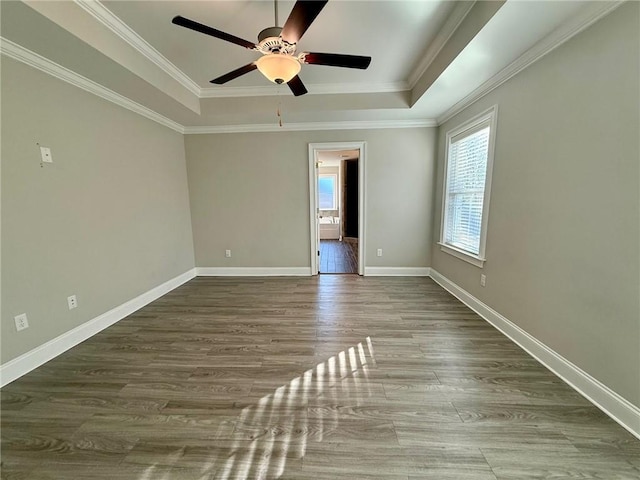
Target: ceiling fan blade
[337, 60]
[238, 72]
[296, 86]
[302, 15]
[198, 27]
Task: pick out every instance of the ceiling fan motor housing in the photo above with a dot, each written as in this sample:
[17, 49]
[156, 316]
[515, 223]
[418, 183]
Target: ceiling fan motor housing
[270, 41]
[269, 32]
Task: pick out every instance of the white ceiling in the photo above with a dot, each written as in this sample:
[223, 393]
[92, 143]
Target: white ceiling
[429, 58]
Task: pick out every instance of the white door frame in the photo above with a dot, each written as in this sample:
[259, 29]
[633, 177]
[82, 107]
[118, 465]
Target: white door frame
[313, 197]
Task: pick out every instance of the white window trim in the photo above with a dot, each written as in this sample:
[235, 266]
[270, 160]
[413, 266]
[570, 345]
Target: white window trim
[335, 189]
[462, 255]
[489, 116]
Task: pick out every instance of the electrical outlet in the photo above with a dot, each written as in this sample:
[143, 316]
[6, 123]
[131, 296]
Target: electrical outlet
[227, 253]
[21, 321]
[379, 252]
[45, 155]
[483, 280]
[72, 301]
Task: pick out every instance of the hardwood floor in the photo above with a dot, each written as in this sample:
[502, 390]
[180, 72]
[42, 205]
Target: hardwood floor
[338, 257]
[329, 377]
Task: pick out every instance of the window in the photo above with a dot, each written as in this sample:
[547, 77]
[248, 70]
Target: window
[466, 188]
[327, 194]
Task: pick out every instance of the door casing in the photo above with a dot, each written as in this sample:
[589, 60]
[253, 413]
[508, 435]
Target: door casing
[314, 148]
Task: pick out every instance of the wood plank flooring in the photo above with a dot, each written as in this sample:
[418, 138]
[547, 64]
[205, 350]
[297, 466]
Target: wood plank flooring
[331, 377]
[338, 257]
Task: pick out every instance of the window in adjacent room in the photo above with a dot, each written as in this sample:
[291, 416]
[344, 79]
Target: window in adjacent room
[327, 192]
[469, 159]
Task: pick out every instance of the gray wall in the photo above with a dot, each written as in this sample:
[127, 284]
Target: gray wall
[107, 221]
[250, 193]
[562, 244]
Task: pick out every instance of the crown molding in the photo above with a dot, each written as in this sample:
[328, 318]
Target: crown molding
[591, 15]
[272, 90]
[309, 126]
[102, 14]
[594, 12]
[32, 59]
[449, 27]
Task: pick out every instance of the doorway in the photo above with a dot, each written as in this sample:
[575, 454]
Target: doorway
[336, 200]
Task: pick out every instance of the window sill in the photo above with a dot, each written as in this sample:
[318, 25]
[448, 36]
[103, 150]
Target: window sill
[462, 255]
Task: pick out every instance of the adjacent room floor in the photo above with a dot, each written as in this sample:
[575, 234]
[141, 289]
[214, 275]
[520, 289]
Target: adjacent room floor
[329, 377]
[338, 256]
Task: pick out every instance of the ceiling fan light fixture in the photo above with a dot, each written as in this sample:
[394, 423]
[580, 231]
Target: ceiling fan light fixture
[278, 68]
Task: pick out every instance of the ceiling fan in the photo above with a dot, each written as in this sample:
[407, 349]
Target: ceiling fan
[278, 47]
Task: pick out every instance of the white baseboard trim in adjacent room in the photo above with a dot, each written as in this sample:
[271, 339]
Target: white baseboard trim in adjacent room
[253, 271]
[26, 362]
[617, 407]
[396, 271]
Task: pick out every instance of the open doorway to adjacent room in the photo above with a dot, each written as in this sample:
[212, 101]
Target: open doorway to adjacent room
[336, 202]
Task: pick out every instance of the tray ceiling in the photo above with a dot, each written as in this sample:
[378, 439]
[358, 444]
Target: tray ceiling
[428, 56]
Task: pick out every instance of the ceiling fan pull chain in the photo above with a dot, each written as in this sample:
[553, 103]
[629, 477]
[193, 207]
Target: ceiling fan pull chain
[278, 112]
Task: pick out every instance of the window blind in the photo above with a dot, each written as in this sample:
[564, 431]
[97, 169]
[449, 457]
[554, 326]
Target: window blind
[466, 177]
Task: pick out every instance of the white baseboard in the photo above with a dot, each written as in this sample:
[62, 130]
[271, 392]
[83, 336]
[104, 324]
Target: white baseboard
[26, 362]
[253, 271]
[611, 403]
[396, 271]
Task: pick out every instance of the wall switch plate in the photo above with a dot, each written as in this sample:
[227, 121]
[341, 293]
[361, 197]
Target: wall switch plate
[21, 321]
[227, 253]
[45, 154]
[72, 301]
[483, 280]
[379, 252]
